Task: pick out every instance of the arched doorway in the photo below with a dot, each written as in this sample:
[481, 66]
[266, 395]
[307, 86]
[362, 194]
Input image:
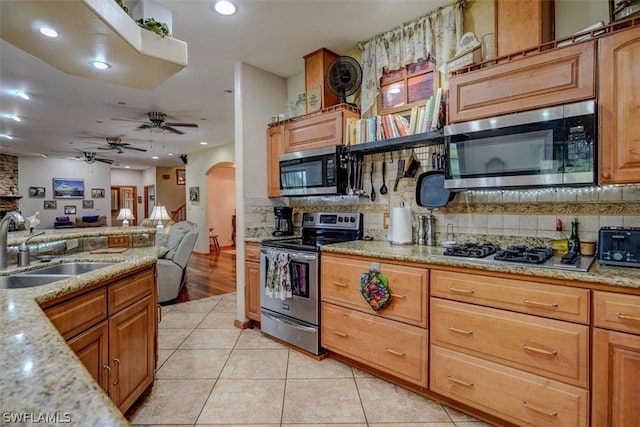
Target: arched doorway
[221, 202]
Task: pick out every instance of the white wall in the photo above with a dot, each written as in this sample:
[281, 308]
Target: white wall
[258, 94]
[39, 172]
[196, 170]
[575, 15]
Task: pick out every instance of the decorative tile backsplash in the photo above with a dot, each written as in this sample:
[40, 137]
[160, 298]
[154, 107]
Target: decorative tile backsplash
[522, 216]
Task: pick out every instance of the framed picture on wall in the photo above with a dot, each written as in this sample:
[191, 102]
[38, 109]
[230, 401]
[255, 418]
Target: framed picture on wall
[70, 210]
[36, 191]
[87, 204]
[50, 204]
[194, 194]
[180, 177]
[68, 188]
[97, 193]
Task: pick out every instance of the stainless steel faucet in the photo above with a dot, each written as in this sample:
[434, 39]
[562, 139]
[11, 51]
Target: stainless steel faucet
[24, 256]
[4, 229]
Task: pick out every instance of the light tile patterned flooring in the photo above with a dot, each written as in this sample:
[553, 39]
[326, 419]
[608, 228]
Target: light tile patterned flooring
[212, 373]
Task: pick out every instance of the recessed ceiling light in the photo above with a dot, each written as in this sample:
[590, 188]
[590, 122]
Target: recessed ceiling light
[154, 157]
[100, 65]
[49, 32]
[23, 95]
[203, 143]
[170, 154]
[14, 117]
[127, 167]
[5, 136]
[224, 7]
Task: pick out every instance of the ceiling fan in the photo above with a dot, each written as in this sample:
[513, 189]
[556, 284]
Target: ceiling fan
[90, 157]
[157, 121]
[115, 143]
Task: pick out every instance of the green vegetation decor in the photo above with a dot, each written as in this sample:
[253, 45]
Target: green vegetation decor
[150, 24]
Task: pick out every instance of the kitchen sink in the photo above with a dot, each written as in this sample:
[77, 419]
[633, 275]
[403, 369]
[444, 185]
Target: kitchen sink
[17, 281]
[68, 269]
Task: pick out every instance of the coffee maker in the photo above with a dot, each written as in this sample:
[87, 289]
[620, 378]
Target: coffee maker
[284, 222]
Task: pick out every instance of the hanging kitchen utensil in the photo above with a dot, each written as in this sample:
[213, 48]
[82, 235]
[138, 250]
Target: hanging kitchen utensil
[373, 191]
[349, 174]
[430, 190]
[399, 174]
[383, 189]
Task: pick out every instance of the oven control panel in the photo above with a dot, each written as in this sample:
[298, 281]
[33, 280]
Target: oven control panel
[332, 220]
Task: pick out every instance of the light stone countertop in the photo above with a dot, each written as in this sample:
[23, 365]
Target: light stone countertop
[39, 374]
[14, 238]
[597, 274]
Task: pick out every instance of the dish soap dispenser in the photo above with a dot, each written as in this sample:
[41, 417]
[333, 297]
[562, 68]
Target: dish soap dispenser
[559, 242]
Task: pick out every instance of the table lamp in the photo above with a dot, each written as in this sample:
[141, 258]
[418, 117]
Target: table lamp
[159, 213]
[125, 215]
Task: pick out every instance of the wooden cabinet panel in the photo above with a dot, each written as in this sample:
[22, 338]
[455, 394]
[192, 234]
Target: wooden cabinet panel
[618, 104]
[616, 384]
[522, 24]
[552, 348]
[558, 302]
[80, 313]
[130, 336]
[118, 241]
[130, 289]
[315, 70]
[275, 147]
[252, 252]
[616, 311]
[393, 347]
[550, 78]
[322, 130]
[340, 284]
[252, 290]
[518, 397]
[92, 348]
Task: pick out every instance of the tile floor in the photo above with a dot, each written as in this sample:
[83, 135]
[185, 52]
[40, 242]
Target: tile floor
[212, 373]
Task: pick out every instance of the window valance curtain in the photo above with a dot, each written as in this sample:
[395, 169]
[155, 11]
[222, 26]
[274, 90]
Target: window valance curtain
[434, 35]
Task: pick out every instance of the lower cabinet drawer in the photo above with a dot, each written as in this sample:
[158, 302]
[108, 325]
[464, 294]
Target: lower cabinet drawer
[616, 311]
[392, 347]
[513, 395]
[553, 348]
[79, 314]
[129, 290]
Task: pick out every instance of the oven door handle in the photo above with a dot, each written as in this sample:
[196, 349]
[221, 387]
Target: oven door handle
[296, 256]
[288, 323]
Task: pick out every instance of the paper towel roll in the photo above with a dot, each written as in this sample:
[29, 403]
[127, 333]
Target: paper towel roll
[400, 232]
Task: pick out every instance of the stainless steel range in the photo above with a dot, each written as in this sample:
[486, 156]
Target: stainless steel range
[290, 277]
[532, 256]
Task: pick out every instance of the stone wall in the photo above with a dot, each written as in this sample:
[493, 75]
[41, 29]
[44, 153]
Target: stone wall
[8, 181]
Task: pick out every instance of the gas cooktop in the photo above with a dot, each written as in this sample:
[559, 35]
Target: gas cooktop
[535, 256]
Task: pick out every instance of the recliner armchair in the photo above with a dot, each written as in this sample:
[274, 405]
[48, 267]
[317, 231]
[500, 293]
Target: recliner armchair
[174, 251]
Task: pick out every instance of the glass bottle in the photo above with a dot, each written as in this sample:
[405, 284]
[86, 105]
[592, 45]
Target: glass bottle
[301, 105]
[574, 240]
[559, 242]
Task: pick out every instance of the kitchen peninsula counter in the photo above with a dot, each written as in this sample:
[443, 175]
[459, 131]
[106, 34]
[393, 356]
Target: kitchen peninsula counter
[41, 376]
[434, 256]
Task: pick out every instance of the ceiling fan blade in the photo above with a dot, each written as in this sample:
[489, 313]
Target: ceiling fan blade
[133, 148]
[107, 161]
[172, 129]
[188, 125]
[128, 120]
[106, 148]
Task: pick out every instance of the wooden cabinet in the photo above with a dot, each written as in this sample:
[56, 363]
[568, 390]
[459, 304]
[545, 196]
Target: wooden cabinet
[393, 340]
[523, 24]
[616, 360]
[252, 281]
[275, 147]
[113, 330]
[618, 104]
[321, 130]
[550, 78]
[316, 64]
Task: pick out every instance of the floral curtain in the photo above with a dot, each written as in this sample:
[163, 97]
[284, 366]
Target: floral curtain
[434, 35]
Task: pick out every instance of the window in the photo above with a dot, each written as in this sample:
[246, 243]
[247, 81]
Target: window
[407, 87]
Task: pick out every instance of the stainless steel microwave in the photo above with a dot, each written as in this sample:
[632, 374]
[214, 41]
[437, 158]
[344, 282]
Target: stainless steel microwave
[320, 171]
[552, 146]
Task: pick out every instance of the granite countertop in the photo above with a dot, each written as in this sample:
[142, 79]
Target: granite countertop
[600, 274]
[40, 375]
[14, 238]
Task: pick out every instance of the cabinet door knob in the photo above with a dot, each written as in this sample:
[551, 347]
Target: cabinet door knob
[117, 362]
[606, 175]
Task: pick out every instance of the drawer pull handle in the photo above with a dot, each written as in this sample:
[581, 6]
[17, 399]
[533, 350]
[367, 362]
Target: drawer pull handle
[395, 353]
[117, 362]
[341, 334]
[459, 331]
[540, 304]
[342, 285]
[540, 411]
[539, 351]
[461, 382]
[625, 317]
[399, 296]
[461, 291]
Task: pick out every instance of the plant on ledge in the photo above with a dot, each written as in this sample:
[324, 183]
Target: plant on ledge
[151, 24]
[125, 8]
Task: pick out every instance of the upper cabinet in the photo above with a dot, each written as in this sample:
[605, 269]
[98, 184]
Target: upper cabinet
[275, 147]
[316, 131]
[555, 77]
[522, 24]
[618, 107]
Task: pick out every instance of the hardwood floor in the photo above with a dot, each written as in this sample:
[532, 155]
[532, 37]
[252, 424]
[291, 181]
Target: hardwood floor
[209, 275]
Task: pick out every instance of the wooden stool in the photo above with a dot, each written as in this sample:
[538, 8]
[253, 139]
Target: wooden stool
[213, 241]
